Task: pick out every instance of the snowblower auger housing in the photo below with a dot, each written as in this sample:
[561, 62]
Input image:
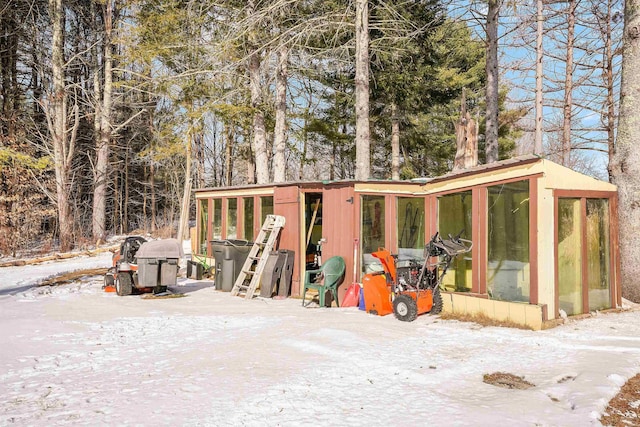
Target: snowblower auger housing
[411, 287]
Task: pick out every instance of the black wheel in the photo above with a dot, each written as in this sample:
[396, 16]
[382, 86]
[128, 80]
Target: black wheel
[405, 308]
[159, 289]
[436, 308]
[108, 280]
[124, 285]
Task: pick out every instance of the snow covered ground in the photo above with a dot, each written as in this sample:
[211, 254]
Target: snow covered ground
[75, 355]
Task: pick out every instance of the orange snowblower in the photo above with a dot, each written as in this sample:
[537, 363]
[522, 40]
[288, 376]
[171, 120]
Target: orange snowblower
[409, 288]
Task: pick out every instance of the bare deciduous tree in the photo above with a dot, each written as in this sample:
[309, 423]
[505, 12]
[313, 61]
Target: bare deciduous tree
[363, 156]
[491, 125]
[625, 165]
[62, 133]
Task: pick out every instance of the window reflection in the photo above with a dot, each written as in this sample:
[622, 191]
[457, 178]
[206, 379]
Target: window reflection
[216, 221]
[598, 253]
[372, 231]
[410, 223]
[232, 218]
[508, 269]
[248, 218]
[266, 207]
[204, 226]
[569, 256]
[455, 217]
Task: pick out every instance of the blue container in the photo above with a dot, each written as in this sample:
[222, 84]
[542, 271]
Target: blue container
[361, 302]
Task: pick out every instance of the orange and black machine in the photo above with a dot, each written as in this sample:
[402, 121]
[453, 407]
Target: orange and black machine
[412, 288]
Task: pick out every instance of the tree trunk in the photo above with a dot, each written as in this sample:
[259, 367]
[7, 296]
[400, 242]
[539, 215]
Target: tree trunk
[466, 143]
[363, 155]
[305, 141]
[611, 106]
[228, 152]
[280, 132]
[126, 188]
[259, 131]
[395, 143]
[625, 166]
[537, 148]
[186, 194]
[568, 85]
[152, 184]
[491, 135]
[104, 135]
[199, 146]
[63, 144]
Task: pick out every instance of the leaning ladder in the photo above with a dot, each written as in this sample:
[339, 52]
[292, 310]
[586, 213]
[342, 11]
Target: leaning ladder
[257, 257]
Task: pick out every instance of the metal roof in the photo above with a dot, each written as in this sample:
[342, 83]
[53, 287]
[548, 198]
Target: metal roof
[502, 164]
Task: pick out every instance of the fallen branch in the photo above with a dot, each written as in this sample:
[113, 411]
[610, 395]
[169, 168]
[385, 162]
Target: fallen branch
[54, 257]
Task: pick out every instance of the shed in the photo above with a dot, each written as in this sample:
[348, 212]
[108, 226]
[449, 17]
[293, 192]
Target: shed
[545, 238]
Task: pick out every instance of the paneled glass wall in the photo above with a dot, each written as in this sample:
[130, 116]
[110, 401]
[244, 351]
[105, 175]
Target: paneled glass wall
[508, 269]
[216, 220]
[248, 218]
[598, 262]
[455, 217]
[410, 223]
[204, 226]
[570, 255]
[372, 230]
[266, 207]
[232, 218]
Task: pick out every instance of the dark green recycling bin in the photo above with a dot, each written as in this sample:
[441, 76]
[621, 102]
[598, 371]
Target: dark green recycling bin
[230, 255]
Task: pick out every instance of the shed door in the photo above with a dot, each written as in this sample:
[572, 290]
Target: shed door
[338, 228]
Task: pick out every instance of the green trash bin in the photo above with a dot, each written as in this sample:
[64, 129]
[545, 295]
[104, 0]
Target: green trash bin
[230, 255]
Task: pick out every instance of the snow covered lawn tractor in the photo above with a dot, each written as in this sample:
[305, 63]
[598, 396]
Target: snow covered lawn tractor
[409, 288]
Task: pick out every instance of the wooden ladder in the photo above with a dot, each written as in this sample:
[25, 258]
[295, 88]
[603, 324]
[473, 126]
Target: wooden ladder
[258, 255]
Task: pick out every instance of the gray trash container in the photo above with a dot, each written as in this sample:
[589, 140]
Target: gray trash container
[158, 263]
[230, 256]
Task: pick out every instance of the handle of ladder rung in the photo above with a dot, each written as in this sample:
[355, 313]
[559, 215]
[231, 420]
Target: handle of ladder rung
[255, 257]
[248, 271]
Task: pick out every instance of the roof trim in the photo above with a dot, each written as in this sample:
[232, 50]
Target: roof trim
[503, 164]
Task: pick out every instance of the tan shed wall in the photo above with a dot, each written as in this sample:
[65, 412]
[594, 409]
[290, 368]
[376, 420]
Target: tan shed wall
[561, 178]
[546, 248]
[528, 315]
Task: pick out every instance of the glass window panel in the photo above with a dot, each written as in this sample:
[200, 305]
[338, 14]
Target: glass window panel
[266, 207]
[410, 225]
[598, 253]
[248, 218]
[232, 218]
[569, 256]
[204, 225]
[372, 232]
[216, 221]
[508, 269]
[454, 217]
